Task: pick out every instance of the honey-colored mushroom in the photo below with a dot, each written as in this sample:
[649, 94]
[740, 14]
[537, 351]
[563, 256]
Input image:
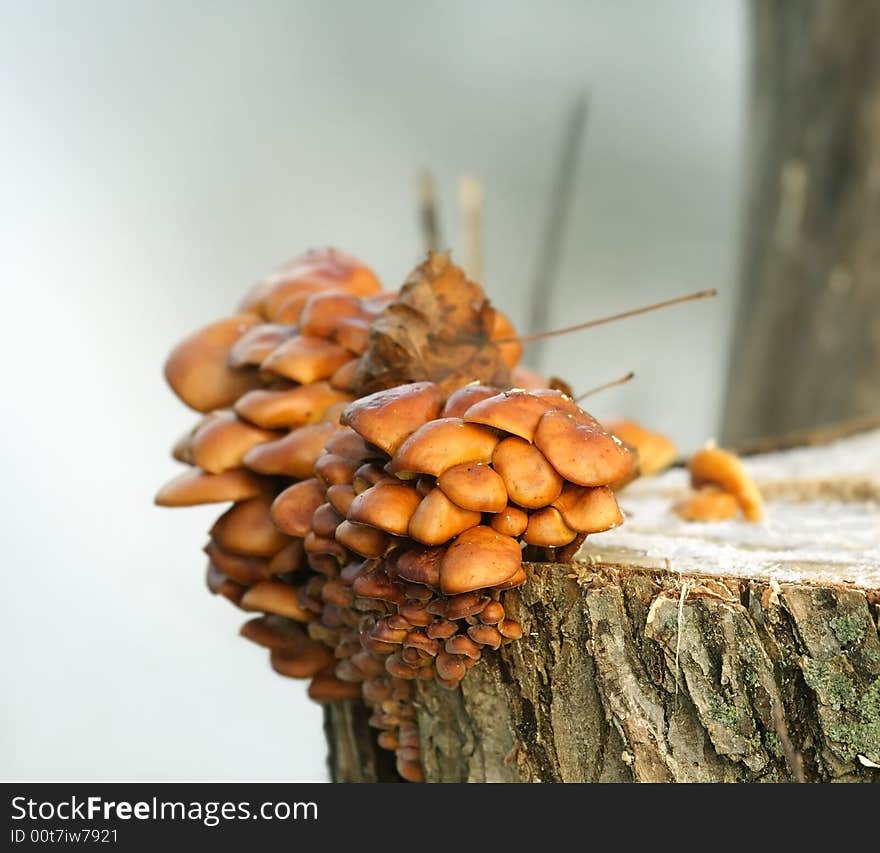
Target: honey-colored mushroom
[461, 400]
[492, 613]
[589, 509]
[221, 442]
[437, 519]
[247, 528]
[362, 539]
[274, 632]
[581, 452]
[326, 687]
[293, 407]
[474, 486]
[275, 597]
[289, 559]
[243, 569]
[345, 378]
[420, 565]
[485, 635]
[708, 503]
[389, 506]
[197, 368]
[655, 451]
[529, 478]
[304, 662]
[511, 521]
[516, 412]
[306, 359]
[341, 497]
[292, 456]
[387, 418]
[293, 509]
[478, 558]
[335, 470]
[196, 487]
[546, 528]
[255, 345]
[323, 312]
[440, 445]
[715, 466]
[219, 584]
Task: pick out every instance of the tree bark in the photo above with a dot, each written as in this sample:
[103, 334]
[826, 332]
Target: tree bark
[806, 347]
[670, 651]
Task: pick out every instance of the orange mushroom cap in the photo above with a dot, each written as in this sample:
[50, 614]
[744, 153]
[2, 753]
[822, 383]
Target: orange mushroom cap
[292, 456]
[255, 345]
[247, 528]
[293, 407]
[306, 359]
[478, 558]
[293, 509]
[712, 465]
[275, 597]
[222, 441]
[389, 506]
[196, 487]
[589, 509]
[547, 528]
[516, 412]
[442, 444]
[437, 519]
[474, 486]
[529, 478]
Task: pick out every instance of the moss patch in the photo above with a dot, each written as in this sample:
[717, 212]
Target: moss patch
[847, 629]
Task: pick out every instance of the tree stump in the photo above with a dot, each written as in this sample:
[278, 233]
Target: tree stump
[724, 652]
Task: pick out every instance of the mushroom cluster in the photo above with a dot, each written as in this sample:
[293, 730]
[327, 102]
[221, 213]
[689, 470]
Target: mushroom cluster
[374, 534]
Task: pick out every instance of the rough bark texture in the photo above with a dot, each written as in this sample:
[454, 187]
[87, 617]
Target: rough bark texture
[722, 652]
[807, 340]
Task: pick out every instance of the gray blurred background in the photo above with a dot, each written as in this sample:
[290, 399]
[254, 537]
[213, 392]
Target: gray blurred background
[159, 157]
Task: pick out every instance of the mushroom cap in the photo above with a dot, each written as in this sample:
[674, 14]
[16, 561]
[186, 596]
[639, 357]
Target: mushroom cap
[375, 583]
[196, 487]
[346, 442]
[370, 474]
[362, 539]
[387, 418]
[485, 635]
[518, 578]
[341, 497]
[197, 368]
[326, 687]
[293, 509]
[255, 345]
[450, 667]
[325, 520]
[529, 478]
[388, 506]
[274, 632]
[547, 528]
[461, 400]
[242, 569]
[516, 412]
[420, 565]
[289, 559]
[441, 444]
[589, 509]
[304, 662]
[474, 486]
[655, 451]
[478, 558]
[219, 584]
[461, 644]
[725, 470]
[306, 359]
[294, 455]
[708, 503]
[510, 629]
[222, 441]
[492, 613]
[580, 452]
[275, 597]
[437, 519]
[511, 521]
[466, 604]
[293, 407]
[353, 333]
[334, 470]
[441, 629]
[346, 377]
[324, 310]
[247, 528]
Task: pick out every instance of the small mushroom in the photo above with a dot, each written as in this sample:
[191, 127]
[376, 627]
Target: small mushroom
[485, 635]
[346, 442]
[441, 629]
[318, 545]
[462, 645]
[346, 377]
[511, 521]
[441, 444]
[304, 662]
[306, 359]
[335, 470]
[275, 597]
[655, 451]
[478, 558]
[247, 529]
[510, 629]
[388, 506]
[411, 771]
[474, 486]
[376, 584]
[420, 566]
[325, 520]
[418, 640]
[292, 456]
[516, 412]
[326, 687]
[529, 478]
[362, 539]
[581, 452]
[387, 418]
[450, 667]
[288, 559]
[461, 400]
[353, 333]
[341, 497]
[547, 528]
[220, 443]
[724, 469]
[243, 569]
[708, 503]
[437, 519]
[588, 510]
[257, 342]
[415, 613]
[197, 368]
[196, 487]
[293, 509]
[274, 632]
[323, 311]
[466, 604]
[219, 584]
[492, 613]
[292, 407]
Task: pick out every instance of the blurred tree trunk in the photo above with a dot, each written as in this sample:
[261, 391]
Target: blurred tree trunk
[806, 348]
